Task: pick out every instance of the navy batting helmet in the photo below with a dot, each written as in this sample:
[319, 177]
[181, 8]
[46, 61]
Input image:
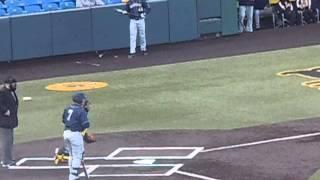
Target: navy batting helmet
[79, 97]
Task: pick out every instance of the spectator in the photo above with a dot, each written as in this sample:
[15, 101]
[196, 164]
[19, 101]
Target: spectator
[315, 4]
[309, 15]
[286, 7]
[89, 3]
[246, 10]
[8, 119]
[258, 6]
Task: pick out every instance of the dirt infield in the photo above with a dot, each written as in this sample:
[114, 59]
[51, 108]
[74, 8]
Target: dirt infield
[286, 151]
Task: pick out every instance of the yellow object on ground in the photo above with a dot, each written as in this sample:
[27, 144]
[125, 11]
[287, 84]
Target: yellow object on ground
[61, 156]
[76, 86]
[58, 159]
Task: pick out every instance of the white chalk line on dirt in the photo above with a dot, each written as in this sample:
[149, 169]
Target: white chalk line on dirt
[195, 175]
[193, 154]
[262, 142]
[115, 154]
[173, 168]
[38, 167]
[23, 160]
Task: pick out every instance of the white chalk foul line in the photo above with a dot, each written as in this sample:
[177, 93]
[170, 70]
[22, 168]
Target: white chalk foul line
[261, 142]
[195, 175]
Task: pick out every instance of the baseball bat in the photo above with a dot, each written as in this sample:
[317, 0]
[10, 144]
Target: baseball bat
[84, 169]
[123, 12]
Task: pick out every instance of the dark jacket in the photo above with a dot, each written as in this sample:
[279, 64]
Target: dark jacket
[137, 7]
[8, 101]
[260, 4]
[246, 2]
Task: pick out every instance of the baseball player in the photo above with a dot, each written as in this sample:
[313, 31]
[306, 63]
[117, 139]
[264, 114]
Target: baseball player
[246, 10]
[137, 11]
[75, 120]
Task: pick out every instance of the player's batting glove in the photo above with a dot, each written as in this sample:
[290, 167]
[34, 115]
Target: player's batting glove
[143, 15]
[84, 132]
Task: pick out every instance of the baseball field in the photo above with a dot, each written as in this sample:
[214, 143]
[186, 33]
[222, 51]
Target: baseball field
[223, 93]
[232, 117]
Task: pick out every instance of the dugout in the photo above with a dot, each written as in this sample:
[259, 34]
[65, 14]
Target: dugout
[80, 30]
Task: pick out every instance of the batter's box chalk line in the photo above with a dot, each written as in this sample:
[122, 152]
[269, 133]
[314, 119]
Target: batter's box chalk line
[148, 161]
[141, 161]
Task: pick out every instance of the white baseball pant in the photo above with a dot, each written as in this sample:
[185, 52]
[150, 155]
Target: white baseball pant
[137, 26]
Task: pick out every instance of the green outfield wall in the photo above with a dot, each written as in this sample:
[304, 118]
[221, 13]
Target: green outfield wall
[5, 36]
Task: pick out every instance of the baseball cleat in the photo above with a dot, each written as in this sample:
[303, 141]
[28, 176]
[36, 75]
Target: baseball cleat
[7, 165]
[130, 56]
[100, 55]
[145, 53]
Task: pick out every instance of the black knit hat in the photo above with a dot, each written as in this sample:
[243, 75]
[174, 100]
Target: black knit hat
[10, 80]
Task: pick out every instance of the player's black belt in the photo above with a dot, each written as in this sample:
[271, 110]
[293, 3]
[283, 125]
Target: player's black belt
[136, 18]
[67, 128]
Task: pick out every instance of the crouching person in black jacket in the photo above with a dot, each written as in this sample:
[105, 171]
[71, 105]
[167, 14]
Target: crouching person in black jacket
[309, 14]
[286, 7]
[8, 119]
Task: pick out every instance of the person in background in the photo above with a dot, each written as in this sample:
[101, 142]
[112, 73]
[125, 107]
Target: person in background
[137, 11]
[246, 10]
[309, 15]
[89, 3]
[286, 7]
[258, 6]
[8, 119]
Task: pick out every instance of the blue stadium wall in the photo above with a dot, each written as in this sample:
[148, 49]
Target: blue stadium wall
[100, 28]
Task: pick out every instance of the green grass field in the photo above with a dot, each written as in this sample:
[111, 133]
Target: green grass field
[223, 93]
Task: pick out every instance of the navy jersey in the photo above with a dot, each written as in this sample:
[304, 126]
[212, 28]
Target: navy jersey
[75, 118]
[260, 4]
[137, 7]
